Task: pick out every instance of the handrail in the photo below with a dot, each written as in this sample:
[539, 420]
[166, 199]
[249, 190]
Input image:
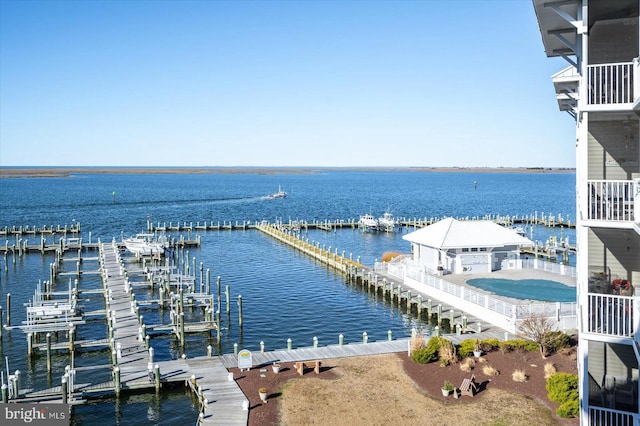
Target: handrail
[611, 83]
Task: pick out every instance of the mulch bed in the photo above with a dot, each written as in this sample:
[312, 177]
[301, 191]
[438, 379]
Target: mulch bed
[250, 381]
[428, 377]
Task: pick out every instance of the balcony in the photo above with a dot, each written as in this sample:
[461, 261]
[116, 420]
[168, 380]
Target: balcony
[613, 200]
[612, 87]
[612, 314]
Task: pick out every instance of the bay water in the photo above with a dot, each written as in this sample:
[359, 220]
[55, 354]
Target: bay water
[285, 294]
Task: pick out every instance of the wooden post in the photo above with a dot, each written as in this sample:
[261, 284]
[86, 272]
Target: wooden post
[30, 343]
[156, 374]
[201, 277]
[341, 339]
[289, 344]
[5, 393]
[63, 389]
[8, 309]
[116, 374]
[182, 329]
[218, 324]
[228, 298]
[240, 311]
[389, 335]
[218, 281]
[208, 287]
[49, 352]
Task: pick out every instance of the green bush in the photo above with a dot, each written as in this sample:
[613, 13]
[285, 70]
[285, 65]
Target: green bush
[569, 409]
[557, 340]
[465, 348]
[422, 356]
[562, 387]
[489, 345]
[430, 352]
[518, 344]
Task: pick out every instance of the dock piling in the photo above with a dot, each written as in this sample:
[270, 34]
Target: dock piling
[116, 374]
[156, 374]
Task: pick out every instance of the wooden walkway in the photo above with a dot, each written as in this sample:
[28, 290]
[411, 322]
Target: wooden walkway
[348, 350]
[225, 404]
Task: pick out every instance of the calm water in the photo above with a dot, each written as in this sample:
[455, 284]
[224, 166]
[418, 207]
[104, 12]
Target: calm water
[285, 294]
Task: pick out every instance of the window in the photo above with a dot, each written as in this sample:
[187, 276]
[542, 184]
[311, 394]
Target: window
[483, 249]
[474, 249]
[465, 250]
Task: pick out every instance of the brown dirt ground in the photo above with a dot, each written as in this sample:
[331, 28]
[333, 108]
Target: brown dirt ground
[392, 389]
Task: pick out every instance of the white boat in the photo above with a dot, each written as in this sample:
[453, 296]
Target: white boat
[367, 221]
[279, 194]
[387, 222]
[519, 230]
[144, 245]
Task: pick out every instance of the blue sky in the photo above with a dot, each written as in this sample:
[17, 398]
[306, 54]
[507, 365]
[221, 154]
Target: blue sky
[278, 83]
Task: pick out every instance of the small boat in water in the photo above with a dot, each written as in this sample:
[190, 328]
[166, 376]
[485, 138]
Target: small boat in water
[368, 222]
[279, 194]
[144, 245]
[519, 230]
[387, 222]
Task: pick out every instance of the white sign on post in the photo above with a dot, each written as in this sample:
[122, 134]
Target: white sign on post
[244, 360]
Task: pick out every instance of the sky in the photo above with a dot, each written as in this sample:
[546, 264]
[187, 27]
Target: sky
[278, 83]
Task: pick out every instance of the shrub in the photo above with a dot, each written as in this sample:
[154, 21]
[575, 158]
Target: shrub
[417, 343]
[569, 409]
[558, 340]
[549, 370]
[562, 387]
[447, 353]
[519, 376]
[489, 345]
[423, 356]
[488, 370]
[429, 353]
[518, 344]
[465, 348]
[468, 364]
[388, 256]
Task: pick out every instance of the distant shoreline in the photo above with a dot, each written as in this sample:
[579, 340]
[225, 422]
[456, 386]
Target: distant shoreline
[35, 172]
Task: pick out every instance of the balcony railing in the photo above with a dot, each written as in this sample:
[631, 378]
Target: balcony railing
[611, 200]
[611, 84]
[606, 417]
[611, 315]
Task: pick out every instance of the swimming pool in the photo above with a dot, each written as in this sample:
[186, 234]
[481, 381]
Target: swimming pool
[532, 289]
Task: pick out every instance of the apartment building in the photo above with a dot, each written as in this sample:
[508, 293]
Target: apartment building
[600, 90]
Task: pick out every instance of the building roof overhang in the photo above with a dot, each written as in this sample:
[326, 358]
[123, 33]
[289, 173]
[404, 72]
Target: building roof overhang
[559, 22]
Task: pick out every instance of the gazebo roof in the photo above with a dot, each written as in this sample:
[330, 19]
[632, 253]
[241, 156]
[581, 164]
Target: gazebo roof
[451, 234]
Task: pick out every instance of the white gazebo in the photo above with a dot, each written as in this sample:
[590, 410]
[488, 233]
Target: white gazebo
[451, 246]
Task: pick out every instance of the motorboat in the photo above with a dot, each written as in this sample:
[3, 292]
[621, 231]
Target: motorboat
[519, 230]
[144, 245]
[279, 194]
[387, 222]
[367, 222]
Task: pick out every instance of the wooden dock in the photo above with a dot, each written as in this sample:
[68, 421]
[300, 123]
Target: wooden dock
[261, 359]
